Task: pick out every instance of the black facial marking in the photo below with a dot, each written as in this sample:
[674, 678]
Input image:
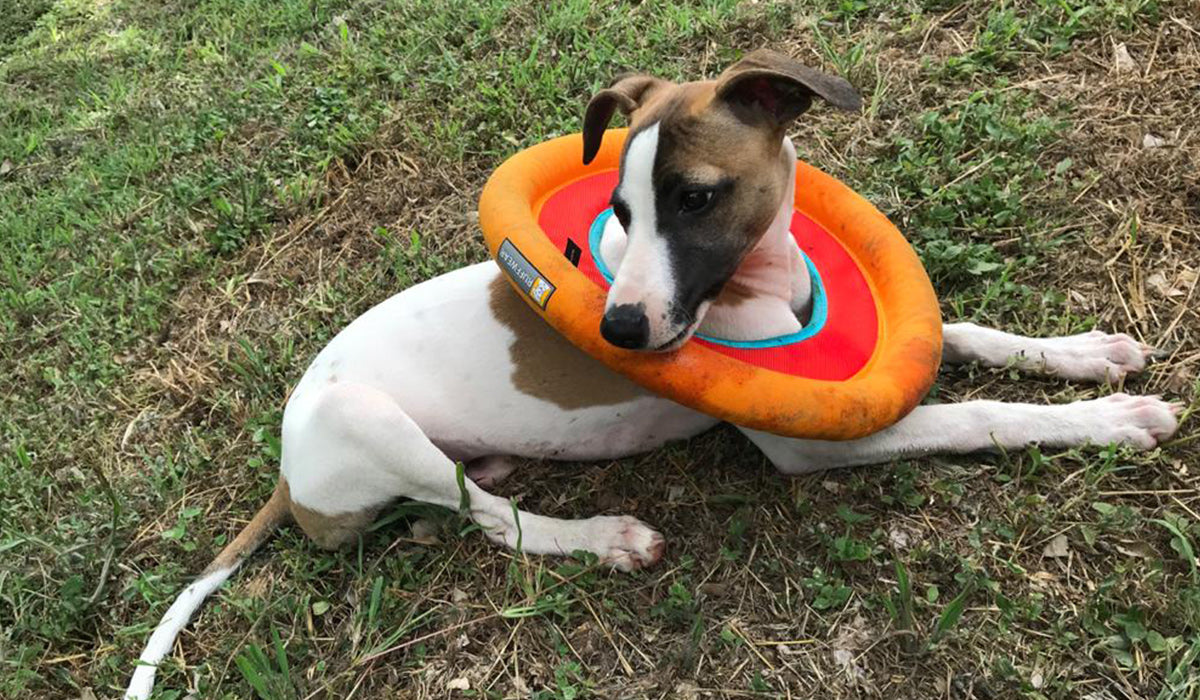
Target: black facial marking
[620, 210]
[694, 218]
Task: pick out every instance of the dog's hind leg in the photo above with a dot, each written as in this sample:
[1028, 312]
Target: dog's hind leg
[1090, 357]
[958, 428]
[350, 449]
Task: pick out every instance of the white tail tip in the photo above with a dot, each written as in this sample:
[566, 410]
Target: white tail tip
[173, 621]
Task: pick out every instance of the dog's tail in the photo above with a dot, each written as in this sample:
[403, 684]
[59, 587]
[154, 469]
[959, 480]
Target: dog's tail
[274, 513]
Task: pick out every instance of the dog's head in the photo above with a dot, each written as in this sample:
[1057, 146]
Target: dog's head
[702, 176]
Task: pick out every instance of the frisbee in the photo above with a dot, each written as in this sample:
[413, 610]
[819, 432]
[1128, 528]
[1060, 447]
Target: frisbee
[867, 355]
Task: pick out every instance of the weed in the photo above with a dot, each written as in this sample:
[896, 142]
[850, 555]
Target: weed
[900, 605]
[1178, 526]
[679, 606]
[270, 678]
[569, 684]
[829, 591]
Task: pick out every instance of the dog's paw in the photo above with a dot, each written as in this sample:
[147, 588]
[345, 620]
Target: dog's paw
[624, 542]
[1091, 357]
[1140, 421]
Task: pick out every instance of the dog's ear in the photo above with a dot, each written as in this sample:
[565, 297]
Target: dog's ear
[627, 93]
[770, 85]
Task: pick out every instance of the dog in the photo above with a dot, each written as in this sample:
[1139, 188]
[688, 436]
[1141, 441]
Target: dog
[459, 369]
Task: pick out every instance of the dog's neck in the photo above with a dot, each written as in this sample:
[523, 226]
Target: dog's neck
[770, 294]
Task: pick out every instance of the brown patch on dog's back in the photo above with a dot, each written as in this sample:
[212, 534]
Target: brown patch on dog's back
[546, 365]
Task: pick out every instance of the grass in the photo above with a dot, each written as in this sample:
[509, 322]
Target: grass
[194, 197]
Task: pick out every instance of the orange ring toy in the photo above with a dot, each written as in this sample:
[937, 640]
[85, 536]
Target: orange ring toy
[865, 359]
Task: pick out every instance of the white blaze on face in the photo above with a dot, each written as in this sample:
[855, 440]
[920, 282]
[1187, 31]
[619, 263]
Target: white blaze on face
[644, 276]
[612, 244]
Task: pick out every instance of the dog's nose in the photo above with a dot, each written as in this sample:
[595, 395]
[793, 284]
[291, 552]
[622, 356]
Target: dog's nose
[626, 326]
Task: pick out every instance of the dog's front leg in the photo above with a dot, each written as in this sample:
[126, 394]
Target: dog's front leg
[1140, 421]
[1091, 357]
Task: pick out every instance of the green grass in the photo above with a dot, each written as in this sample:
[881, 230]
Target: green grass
[197, 196]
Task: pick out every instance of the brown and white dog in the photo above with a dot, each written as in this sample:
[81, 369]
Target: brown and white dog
[459, 369]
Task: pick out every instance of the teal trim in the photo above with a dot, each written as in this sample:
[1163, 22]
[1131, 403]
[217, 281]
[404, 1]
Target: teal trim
[820, 307]
[820, 312]
[595, 233]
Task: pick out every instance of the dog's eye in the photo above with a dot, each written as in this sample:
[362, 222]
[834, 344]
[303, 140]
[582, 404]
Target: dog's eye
[694, 201]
